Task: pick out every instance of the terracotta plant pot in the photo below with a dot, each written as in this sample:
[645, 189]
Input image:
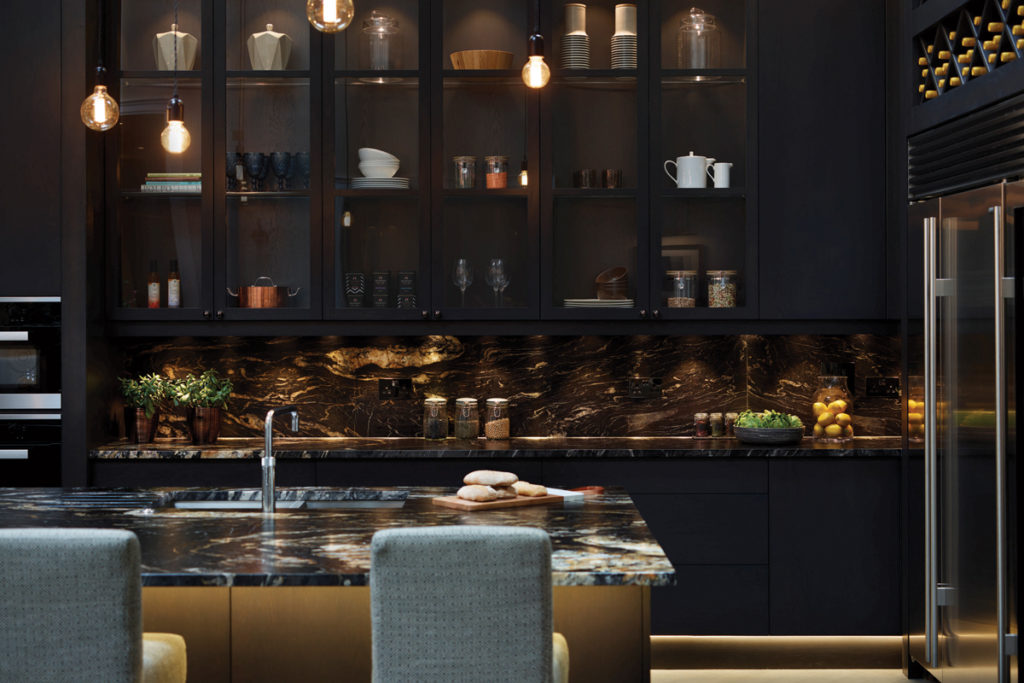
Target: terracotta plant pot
[204, 424]
[142, 428]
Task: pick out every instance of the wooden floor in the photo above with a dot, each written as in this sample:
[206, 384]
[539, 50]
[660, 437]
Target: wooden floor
[777, 676]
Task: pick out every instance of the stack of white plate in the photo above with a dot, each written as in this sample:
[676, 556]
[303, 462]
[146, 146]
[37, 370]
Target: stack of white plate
[576, 51]
[624, 51]
[380, 183]
[598, 303]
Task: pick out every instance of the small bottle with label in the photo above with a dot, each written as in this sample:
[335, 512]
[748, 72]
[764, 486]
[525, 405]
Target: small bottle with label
[153, 286]
[173, 286]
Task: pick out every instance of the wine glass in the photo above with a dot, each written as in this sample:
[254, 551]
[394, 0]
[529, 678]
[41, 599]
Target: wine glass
[281, 163]
[256, 167]
[498, 279]
[462, 276]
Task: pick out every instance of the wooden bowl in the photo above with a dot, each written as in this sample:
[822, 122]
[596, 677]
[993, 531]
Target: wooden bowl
[611, 275]
[482, 59]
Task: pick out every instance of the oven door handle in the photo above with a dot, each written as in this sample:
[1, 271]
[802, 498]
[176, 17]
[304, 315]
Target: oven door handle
[13, 454]
[13, 335]
[18, 417]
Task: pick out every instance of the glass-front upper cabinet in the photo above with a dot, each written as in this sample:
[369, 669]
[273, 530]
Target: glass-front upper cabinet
[703, 143]
[271, 132]
[484, 127]
[594, 161]
[377, 185]
[159, 231]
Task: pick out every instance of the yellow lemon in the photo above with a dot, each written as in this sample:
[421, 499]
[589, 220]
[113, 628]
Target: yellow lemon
[917, 430]
[819, 408]
[837, 406]
[843, 420]
[847, 431]
[915, 418]
[826, 418]
[833, 431]
[911, 404]
[819, 431]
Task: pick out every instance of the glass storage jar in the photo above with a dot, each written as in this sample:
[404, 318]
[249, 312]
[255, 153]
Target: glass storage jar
[730, 424]
[915, 408]
[496, 172]
[701, 427]
[721, 288]
[380, 41]
[833, 410]
[464, 172]
[717, 424]
[496, 424]
[435, 419]
[699, 41]
[467, 419]
[683, 288]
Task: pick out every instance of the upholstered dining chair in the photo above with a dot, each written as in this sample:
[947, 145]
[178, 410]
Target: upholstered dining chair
[464, 603]
[71, 610]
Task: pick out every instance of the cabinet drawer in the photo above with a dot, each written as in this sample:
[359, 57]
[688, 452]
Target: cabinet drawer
[426, 472]
[238, 473]
[712, 600]
[662, 476]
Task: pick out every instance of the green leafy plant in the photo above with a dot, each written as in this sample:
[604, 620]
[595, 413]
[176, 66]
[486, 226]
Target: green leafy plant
[148, 392]
[205, 391]
[769, 419]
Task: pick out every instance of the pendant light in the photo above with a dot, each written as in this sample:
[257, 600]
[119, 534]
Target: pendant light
[99, 110]
[175, 138]
[330, 16]
[536, 72]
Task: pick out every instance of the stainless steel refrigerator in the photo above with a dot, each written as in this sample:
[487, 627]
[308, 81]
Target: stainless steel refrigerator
[960, 436]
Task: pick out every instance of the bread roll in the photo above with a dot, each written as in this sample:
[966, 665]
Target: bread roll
[524, 488]
[490, 478]
[505, 492]
[477, 493]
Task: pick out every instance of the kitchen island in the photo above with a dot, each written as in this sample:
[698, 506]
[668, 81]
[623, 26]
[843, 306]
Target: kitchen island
[285, 597]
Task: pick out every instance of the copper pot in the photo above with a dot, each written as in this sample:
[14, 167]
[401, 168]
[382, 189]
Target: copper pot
[203, 424]
[263, 293]
[143, 428]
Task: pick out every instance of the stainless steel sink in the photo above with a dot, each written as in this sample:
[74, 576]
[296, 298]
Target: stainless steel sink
[287, 499]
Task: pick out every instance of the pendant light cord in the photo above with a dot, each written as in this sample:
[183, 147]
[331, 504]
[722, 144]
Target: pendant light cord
[99, 36]
[175, 48]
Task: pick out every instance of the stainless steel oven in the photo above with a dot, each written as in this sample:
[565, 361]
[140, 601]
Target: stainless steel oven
[30, 449]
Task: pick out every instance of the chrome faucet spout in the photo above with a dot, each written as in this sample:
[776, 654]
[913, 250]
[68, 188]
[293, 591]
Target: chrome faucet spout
[269, 464]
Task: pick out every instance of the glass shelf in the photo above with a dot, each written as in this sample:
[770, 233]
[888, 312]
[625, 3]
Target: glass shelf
[704, 193]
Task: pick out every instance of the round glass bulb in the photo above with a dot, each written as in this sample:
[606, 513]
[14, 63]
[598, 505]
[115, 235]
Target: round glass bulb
[330, 16]
[99, 110]
[536, 73]
[175, 137]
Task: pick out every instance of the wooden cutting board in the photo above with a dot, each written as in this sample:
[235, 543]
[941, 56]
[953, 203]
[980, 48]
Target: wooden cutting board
[519, 501]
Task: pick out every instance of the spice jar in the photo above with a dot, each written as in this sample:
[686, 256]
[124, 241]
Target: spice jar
[467, 419]
[683, 288]
[435, 418]
[833, 410]
[730, 424]
[496, 424]
[496, 170]
[701, 427]
[464, 168]
[721, 288]
[717, 424]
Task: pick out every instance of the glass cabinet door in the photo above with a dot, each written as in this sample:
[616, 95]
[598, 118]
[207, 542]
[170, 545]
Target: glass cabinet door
[485, 250]
[159, 249]
[268, 268]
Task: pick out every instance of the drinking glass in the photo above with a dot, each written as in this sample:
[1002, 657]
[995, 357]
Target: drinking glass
[281, 162]
[462, 276]
[256, 167]
[231, 162]
[498, 279]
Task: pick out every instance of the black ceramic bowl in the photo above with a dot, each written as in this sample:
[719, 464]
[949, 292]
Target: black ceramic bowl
[769, 436]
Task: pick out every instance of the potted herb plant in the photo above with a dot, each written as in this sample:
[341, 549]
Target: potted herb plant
[144, 397]
[203, 398]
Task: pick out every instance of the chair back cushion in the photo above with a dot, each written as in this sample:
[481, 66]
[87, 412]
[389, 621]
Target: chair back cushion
[70, 605]
[465, 603]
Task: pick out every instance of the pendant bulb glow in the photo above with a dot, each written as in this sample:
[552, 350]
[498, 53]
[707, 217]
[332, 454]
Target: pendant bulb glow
[536, 73]
[175, 138]
[99, 110]
[330, 16]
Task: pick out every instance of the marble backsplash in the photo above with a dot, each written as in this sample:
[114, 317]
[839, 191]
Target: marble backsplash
[557, 386]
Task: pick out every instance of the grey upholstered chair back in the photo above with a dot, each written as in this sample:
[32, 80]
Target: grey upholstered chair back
[467, 603]
[70, 605]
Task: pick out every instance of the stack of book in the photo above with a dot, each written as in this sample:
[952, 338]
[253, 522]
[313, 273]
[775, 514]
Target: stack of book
[173, 182]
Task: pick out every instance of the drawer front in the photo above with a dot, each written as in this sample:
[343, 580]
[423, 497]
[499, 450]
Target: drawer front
[662, 476]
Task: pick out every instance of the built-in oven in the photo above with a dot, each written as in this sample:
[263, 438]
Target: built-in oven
[30, 449]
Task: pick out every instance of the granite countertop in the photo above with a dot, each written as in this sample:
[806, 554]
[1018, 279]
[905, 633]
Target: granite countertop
[521, 447]
[601, 541]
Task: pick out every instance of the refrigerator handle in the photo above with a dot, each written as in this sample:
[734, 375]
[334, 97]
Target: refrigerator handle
[1000, 356]
[931, 602]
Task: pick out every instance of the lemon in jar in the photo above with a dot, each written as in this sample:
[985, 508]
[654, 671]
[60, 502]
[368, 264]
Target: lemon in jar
[833, 431]
[915, 418]
[847, 431]
[819, 408]
[843, 420]
[837, 406]
[818, 431]
[826, 419]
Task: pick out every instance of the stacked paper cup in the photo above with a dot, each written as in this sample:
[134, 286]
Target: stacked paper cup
[624, 40]
[576, 42]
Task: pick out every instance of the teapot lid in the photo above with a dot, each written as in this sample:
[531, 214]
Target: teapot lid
[379, 23]
[699, 20]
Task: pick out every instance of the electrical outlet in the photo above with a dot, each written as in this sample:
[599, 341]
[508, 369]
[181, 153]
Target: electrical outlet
[394, 389]
[882, 387]
[644, 387]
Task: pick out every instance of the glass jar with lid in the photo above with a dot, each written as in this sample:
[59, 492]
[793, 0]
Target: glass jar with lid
[915, 408]
[464, 172]
[496, 172]
[699, 41]
[467, 419]
[682, 288]
[722, 288]
[380, 41]
[833, 410]
[496, 423]
[435, 419]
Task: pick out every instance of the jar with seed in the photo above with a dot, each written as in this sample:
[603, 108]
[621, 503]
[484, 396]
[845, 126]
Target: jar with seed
[721, 288]
[730, 424]
[717, 424]
[467, 419]
[496, 424]
[435, 419]
[701, 426]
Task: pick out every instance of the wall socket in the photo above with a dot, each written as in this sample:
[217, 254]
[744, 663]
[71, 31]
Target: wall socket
[882, 387]
[394, 389]
[644, 387]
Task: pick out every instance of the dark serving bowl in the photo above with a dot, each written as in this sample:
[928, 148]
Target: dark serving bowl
[769, 436]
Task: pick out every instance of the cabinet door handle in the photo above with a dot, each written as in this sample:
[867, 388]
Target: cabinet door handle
[437, 314]
[999, 257]
[931, 521]
[206, 315]
[643, 312]
[220, 315]
[656, 313]
[425, 314]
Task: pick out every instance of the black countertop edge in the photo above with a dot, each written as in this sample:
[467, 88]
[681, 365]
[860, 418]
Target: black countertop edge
[163, 580]
[517, 448]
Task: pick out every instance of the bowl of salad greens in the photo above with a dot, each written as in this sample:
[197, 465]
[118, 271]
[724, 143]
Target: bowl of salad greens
[769, 427]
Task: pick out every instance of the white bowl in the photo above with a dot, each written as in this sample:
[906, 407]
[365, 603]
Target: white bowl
[378, 169]
[371, 154]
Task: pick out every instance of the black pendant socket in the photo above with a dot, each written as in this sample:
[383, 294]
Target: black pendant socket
[175, 109]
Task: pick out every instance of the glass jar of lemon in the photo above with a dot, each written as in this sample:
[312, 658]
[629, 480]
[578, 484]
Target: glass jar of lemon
[833, 410]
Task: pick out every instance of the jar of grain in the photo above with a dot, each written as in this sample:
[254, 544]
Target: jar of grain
[496, 424]
[721, 288]
[435, 419]
[467, 419]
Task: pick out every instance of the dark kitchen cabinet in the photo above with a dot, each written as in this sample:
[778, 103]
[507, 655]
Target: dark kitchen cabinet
[822, 119]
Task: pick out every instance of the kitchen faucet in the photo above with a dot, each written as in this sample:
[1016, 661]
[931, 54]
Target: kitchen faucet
[268, 462]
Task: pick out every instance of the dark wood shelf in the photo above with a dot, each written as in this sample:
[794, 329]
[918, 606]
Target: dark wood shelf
[367, 75]
[154, 74]
[263, 75]
[454, 77]
[143, 193]
[624, 79]
[704, 77]
[282, 194]
[378, 194]
[704, 193]
[479, 193]
[595, 192]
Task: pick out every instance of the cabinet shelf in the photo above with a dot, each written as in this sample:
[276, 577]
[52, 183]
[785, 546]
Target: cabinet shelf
[262, 75]
[370, 76]
[165, 195]
[190, 77]
[282, 194]
[454, 77]
[378, 194]
[703, 77]
[704, 193]
[625, 79]
[478, 194]
[594, 192]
